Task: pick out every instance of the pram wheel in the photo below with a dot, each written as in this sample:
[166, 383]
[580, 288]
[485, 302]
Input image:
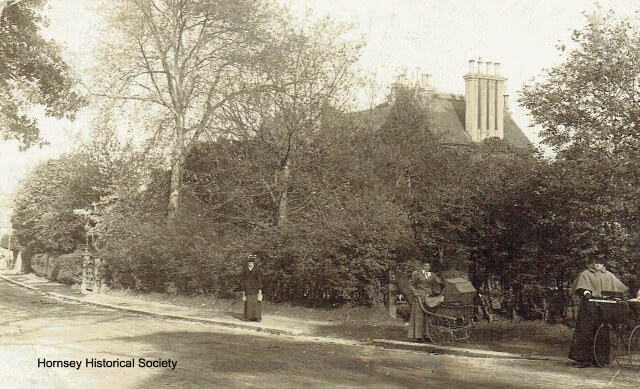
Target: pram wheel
[437, 334]
[605, 345]
[634, 346]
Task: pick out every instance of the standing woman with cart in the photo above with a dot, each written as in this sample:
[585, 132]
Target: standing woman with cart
[252, 289]
[590, 283]
[424, 284]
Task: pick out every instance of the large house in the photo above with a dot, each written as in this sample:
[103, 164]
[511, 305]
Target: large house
[481, 113]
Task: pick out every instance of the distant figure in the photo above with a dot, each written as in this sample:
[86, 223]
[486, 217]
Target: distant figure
[428, 286]
[252, 290]
[590, 283]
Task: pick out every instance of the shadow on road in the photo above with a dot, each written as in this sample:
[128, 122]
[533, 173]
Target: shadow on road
[230, 360]
[209, 359]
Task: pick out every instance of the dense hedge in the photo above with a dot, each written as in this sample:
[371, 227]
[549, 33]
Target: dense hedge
[156, 257]
[42, 265]
[371, 202]
[69, 268]
[66, 268]
[332, 264]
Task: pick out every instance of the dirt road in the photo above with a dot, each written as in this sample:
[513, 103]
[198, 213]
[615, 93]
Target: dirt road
[35, 328]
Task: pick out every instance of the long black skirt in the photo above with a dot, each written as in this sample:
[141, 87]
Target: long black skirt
[584, 334]
[252, 308]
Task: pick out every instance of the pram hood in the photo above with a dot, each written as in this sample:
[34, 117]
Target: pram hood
[458, 290]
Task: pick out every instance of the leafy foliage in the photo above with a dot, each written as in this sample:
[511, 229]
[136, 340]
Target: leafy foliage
[588, 107]
[182, 61]
[44, 216]
[32, 72]
[363, 192]
[66, 268]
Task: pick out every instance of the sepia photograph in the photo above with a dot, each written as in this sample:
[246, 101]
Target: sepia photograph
[319, 194]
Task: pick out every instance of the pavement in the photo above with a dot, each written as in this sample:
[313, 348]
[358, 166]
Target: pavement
[277, 325]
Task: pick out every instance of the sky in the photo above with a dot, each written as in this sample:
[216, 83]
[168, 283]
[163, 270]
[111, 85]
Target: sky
[438, 36]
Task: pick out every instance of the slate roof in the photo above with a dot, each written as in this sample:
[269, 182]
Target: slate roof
[448, 117]
[514, 135]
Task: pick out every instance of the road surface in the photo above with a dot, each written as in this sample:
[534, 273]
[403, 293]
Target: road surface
[36, 328]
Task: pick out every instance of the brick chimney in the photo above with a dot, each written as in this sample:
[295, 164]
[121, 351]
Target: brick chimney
[485, 101]
[400, 82]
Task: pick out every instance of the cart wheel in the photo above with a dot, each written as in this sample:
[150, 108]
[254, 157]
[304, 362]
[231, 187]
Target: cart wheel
[605, 345]
[436, 334]
[634, 346]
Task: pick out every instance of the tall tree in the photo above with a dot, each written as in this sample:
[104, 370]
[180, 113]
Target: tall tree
[47, 198]
[183, 60]
[589, 110]
[591, 101]
[32, 72]
[309, 75]
[589, 106]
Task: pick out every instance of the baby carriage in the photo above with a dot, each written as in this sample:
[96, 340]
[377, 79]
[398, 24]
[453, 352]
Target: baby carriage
[453, 318]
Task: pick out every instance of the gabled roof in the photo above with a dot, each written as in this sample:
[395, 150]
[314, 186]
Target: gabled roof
[448, 117]
[448, 121]
[514, 135]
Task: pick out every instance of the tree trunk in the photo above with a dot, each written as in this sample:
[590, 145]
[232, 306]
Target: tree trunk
[283, 206]
[177, 170]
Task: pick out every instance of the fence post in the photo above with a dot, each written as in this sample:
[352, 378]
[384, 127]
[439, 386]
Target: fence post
[392, 294]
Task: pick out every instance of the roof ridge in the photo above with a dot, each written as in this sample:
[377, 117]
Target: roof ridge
[450, 95]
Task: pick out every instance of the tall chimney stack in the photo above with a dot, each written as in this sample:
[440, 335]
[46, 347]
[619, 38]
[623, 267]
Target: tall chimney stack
[506, 99]
[500, 88]
[402, 79]
[486, 100]
[424, 80]
[471, 101]
[482, 101]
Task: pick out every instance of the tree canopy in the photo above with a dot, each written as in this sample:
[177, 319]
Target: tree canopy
[588, 109]
[183, 60]
[32, 73]
[258, 154]
[590, 102]
[45, 206]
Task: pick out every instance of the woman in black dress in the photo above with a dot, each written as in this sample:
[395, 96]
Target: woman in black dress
[252, 290]
[591, 283]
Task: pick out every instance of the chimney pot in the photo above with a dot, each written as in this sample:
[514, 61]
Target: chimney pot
[480, 66]
[402, 79]
[497, 68]
[472, 66]
[425, 80]
[489, 67]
